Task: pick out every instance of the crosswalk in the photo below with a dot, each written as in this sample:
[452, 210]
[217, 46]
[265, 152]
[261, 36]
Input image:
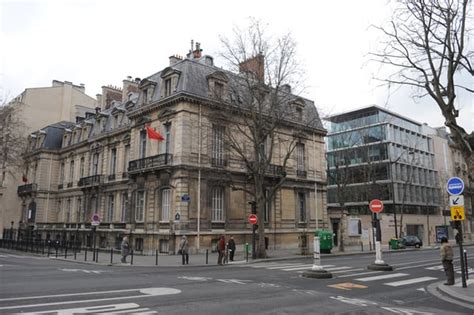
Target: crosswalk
[359, 274]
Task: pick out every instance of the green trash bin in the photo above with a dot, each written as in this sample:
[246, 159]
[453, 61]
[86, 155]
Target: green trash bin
[325, 240]
[394, 243]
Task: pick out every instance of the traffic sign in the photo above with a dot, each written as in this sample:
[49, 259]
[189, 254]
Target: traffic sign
[456, 201]
[455, 186]
[457, 213]
[376, 206]
[95, 219]
[185, 198]
[253, 219]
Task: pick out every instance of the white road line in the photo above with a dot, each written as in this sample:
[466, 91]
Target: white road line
[416, 266]
[410, 281]
[338, 268]
[146, 292]
[267, 265]
[359, 274]
[391, 275]
[286, 266]
[350, 270]
[435, 268]
[298, 268]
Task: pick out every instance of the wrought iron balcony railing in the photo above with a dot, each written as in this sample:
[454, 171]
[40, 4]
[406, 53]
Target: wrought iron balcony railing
[301, 173]
[150, 162]
[274, 170]
[217, 162]
[93, 180]
[27, 189]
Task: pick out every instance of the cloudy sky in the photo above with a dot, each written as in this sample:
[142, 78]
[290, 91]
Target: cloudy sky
[101, 42]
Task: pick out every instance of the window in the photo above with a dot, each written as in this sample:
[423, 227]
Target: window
[123, 214]
[267, 209]
[110, 208]
[68, 211]
[302, 207]
[300, 157]
[142, 144]
[140, 206]
[126, 157]
[165, 204]
[217, 206]
[354, 227]
[167, 87]
[59, 209]
[71, 171]
[299, 113]
[113, 160]
[61, 173]
[81, 168]
[167, 137]
[95, 164]
[80, 214]
[145, 96]
[218, 90]
[218, 145]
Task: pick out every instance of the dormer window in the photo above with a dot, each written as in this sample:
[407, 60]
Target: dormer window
[299, 113]
[167, 87]
[298, 107]
[218, 90]
[145, 96]
[169, 81]
[217, 83]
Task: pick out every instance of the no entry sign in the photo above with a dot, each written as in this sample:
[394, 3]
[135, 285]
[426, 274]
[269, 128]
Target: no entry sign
[253, 219]
[376, 206]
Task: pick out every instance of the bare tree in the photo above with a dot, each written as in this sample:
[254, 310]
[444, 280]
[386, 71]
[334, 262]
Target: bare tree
[427, 43]
[12, 140]
[262, 118]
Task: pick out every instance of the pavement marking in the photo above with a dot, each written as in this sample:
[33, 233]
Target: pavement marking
[410, 281]
[289, 266]
[468, 282]
[388, 276]
[358, 302]
[347, 286]
[359, 274]
[298, 268]
[350, 270]
[405, 311]
[416, 266]
[236, 281]
[110, 309]
[439, 267]
[266, 265]
[338, 268]
[421, 289]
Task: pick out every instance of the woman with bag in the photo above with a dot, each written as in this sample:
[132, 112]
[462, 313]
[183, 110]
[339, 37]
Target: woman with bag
[184, 250]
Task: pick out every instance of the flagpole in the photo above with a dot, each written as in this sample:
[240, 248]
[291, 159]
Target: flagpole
[199, 184]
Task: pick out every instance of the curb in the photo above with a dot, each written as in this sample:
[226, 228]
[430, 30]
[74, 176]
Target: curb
[442, 292]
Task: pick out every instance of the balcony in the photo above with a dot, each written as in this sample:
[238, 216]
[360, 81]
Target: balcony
[69, 185]
[301, 173]
[111, 177]
[60, 186]
[150, 163]
[274, 170]
[93, 180]
[216, 162]
[27, 189]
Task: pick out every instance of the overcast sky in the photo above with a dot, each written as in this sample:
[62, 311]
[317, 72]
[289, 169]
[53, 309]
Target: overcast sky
[101, 42]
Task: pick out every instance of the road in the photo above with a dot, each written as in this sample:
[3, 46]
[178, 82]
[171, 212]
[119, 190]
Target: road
[33, 285]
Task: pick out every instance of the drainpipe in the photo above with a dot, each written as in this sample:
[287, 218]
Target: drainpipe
[199, 183]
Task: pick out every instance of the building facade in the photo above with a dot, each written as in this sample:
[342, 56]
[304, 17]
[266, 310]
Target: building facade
[34, 108]
[374, 153]
[156, 191]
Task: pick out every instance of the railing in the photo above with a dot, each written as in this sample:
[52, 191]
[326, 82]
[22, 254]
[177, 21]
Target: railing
[69, 185]
[150, 162]
[301, 173]
[93, 180]
[124, 175]
[111, 177]
[27, 189]
[274, 170]
[60, 186]
[218, 162]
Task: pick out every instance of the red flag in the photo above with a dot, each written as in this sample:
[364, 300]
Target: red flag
[25, 179]
[153, 134]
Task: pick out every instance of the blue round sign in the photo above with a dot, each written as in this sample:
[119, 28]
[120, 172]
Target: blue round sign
[455, 186]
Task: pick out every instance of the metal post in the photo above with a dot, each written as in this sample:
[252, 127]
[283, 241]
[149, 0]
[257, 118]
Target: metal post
[207, 256]
[56, 251]
[93, 245]
[156, 258]
[111, 255]
[131, 259]
[75, 252]
[97, 255]
[85, 254]
[65, 252]
[461, 255]
[49, 248]
[247, 252]
[465, 262]
[254, 211]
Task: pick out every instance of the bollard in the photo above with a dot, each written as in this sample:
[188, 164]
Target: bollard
[56, 252]
[85, 254]
[207, 256]
[131, 259]
[156, 259]
[42, 249]
[75, 252]
[49, 249]
[466, 267]
[362, 246]
[247, 252]
[111, 255]
[65, 252]
[97, 255]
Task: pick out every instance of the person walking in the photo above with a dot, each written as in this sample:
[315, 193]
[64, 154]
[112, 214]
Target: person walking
[125, 249]
[231, 247]
[221, 249]
[184, 250]
[447, 260]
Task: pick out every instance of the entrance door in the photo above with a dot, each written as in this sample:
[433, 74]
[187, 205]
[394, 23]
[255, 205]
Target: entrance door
[335, 230]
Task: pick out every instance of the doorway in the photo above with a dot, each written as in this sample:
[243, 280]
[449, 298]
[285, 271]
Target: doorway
[335, 231]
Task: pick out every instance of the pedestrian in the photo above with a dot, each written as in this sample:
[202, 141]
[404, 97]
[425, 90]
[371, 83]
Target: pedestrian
[231, 246]
[184, 250]
[447, 260]
[125, 246]
[221, 249]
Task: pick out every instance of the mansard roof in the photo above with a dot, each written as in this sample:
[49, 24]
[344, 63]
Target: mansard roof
[53, 134]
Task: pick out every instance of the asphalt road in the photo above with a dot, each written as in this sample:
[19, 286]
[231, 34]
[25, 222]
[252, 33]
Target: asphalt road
[34, 285]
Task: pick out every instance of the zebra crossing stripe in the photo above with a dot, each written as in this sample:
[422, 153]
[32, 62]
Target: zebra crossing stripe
[389, 276]
[410, 281]
[264, 265]
[298, 268]
[435, 268]
[338, 268]
[288, 266]
[350, 270]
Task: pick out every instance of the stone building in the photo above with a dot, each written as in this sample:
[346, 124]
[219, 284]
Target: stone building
[156, 191]
[34, 108]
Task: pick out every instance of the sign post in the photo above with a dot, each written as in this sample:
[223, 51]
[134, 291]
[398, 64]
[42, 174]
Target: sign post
[455, 187]
[376, 206]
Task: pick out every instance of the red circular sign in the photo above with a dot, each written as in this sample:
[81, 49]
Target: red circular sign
[253, 219]
[376, 206]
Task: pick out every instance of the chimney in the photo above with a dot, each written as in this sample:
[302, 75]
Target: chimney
[97, 110]
[286, 88]
[129, 78]
[197, 51]
[137, 80]
[254, 65]
[175, 59]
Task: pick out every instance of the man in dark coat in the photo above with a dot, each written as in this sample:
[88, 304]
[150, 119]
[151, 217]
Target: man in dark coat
[221, 249]
[231, 247]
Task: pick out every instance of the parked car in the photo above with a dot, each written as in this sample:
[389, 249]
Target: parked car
[412, 240]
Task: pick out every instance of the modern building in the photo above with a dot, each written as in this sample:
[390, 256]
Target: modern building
[155, 192]
[374, 153]
[34, 108]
